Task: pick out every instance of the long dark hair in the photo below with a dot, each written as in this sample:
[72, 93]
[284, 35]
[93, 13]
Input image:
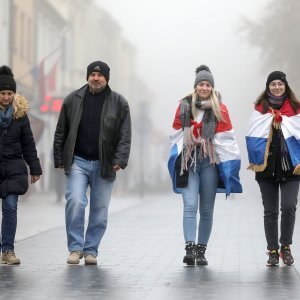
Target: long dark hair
[263, 99]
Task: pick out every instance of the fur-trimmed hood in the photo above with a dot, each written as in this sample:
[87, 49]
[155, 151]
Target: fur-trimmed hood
[20, 105]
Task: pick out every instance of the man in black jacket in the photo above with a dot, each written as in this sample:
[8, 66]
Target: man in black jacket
[92, 142]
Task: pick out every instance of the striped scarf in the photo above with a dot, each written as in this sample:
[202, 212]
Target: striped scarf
[197, 143]
[227, 154]
[276, 102]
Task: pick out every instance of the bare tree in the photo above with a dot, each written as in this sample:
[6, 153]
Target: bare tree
[277, 35]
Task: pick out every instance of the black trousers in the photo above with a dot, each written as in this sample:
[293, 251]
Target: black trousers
[288, 202]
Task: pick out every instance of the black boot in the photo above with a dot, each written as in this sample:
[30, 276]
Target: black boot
[200, 255]
[189, 258]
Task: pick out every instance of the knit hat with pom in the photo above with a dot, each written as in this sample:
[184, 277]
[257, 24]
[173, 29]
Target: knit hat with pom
[203, 74]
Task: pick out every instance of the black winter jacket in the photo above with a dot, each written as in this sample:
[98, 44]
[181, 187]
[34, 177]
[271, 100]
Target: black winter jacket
[115, 132]
[17, 147]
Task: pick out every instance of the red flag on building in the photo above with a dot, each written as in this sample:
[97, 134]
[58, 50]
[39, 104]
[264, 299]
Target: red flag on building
[51, 78]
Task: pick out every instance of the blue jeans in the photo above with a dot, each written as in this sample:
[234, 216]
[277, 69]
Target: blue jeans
[203, 182]
[86, 173]
[9, 222]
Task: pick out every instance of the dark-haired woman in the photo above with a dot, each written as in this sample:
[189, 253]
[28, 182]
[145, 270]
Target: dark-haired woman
[17, 148]
[273, 150]
[204, 156]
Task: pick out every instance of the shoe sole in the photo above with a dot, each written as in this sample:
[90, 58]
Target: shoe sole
[90, 264]
[72, 263]
[201, 263]
[11, 264]
[272, 265]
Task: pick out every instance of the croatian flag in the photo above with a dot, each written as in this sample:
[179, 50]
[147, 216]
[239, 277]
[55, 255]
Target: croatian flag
[228, 157]
[259, 135]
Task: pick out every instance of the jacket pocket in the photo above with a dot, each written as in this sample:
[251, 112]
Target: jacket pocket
[111, 125]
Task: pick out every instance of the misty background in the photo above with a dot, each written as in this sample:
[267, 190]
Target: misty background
[153, 49]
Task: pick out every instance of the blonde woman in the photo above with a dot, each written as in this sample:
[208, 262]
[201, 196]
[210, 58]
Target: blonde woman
[204, 156]
[17, 150]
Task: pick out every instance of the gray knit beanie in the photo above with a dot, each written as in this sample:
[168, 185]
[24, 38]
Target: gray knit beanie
[203, 73]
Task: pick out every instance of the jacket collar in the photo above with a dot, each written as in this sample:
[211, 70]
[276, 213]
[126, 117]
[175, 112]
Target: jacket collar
[20, 105]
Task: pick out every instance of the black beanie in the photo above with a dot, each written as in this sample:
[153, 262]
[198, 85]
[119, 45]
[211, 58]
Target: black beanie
[276, 75]
[7, 81]
[98, 66]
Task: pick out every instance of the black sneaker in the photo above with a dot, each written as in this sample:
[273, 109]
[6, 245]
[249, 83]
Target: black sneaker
[189, 258]
[200, 255]
[286, 255]
[273, 258]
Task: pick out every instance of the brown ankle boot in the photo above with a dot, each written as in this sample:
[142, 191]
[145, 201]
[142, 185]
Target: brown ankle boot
[90, 259]
[74, 257]
[9, 258]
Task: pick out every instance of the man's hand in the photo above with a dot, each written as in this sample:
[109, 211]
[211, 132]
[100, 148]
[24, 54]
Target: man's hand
[35, 178]
[116, 168]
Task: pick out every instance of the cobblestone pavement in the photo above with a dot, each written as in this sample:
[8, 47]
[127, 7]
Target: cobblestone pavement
[141, 258]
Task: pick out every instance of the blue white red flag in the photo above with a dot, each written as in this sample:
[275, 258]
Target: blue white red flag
[227, 151]
[259, 135]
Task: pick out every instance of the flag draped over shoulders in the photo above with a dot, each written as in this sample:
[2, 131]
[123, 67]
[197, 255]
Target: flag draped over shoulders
[226, 149]
[259, 135]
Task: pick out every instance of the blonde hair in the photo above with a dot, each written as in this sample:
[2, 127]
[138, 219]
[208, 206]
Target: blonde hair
[215, 105]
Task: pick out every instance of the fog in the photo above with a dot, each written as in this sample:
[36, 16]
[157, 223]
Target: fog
[172, 38]
[153, 49]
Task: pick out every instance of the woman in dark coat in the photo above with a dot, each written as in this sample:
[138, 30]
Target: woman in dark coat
[17, 147]
[273, 150]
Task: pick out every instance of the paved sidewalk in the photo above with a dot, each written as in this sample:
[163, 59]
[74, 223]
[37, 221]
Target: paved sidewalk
[141, 258]
[40, 212]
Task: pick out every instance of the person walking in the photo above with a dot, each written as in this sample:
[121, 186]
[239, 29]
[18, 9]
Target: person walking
[204, 155]
[273, 150]
[91, 142]
[17, 148]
